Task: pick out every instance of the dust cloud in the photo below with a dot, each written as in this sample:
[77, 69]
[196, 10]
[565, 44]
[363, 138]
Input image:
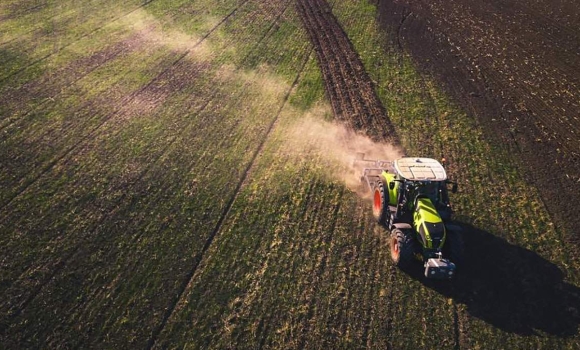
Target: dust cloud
[156, 34]
[337, 146]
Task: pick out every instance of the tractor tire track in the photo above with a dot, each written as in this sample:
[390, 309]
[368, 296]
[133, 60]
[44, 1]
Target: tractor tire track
[225, 213]
[64, 261]
[126, 101]
[85, 35]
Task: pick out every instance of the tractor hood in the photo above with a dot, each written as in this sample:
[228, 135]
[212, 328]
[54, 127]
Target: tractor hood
[428, 224]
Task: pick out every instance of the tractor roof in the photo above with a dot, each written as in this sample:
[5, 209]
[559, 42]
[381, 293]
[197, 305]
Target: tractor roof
[420, 169]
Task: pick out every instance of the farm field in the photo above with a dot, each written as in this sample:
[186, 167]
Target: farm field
[514, 67]
[176, 174]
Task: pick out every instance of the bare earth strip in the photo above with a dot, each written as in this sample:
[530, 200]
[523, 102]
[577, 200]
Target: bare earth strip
[348, 87]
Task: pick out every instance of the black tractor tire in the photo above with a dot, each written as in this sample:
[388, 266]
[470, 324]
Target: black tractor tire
[402, 247]
[454, 247]
[381, 203]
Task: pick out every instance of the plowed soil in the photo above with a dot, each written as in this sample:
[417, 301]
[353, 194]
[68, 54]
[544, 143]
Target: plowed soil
[168, 173]
[347, 85]
[515, 67]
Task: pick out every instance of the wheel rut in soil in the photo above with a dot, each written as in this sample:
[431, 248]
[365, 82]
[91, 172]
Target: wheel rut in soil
[166, 74]
[223, 217]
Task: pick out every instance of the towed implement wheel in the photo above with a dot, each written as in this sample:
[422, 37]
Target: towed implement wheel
[381, 203]
[402, 247]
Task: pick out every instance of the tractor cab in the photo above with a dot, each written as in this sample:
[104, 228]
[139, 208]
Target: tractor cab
[421, 178]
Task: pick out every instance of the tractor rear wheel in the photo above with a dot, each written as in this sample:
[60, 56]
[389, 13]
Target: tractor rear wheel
[402, 247]
[381, 203]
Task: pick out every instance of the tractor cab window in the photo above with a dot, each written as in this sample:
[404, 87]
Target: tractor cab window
[431, 190]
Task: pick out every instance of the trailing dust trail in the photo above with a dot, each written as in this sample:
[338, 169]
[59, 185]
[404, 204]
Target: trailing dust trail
[336, 145]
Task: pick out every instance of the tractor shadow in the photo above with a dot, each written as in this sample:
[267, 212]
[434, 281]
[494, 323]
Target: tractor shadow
[510, 287]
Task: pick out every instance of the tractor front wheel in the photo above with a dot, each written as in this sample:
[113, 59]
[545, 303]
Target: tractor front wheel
[381, 203]
[402, 247]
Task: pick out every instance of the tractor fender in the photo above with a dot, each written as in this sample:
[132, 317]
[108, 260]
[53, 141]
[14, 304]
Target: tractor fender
[393, 191]
[402, 226]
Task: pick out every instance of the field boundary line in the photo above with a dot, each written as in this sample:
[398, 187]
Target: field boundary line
[199, 257]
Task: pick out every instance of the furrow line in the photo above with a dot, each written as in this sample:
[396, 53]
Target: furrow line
[323, 60]
[345, 78]
[328, 23]
[18, 71]
[330, 64]
[131, 97]
[63, 262]
[372, 115]
[199, 257]
[319, 14]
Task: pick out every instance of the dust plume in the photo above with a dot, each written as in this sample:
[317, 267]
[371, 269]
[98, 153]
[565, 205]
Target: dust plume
[155, 33]
[336, 146]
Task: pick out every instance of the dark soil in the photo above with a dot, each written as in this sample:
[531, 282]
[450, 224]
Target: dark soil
[515, 67]
[348, 87]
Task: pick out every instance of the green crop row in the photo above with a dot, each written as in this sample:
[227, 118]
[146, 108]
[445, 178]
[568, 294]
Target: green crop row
[106, 234]
[183, 192]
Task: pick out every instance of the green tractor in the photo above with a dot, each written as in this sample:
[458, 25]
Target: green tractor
[410, 198]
